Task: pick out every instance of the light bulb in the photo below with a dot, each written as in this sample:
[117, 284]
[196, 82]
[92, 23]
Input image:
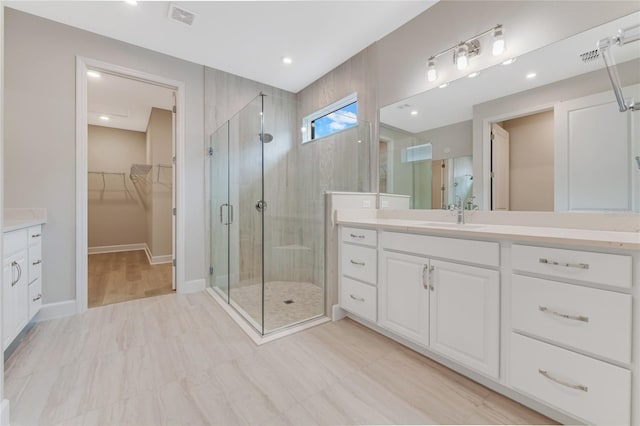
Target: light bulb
[462, 57]
[498, 41]
[432, 73]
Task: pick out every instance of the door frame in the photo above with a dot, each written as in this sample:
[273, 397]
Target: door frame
[83, 64]
[484, 193]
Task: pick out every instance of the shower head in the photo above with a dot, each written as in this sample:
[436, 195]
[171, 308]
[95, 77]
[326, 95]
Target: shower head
[268, 137]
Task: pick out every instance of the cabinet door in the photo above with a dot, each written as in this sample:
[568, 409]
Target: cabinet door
[464, 315]
[7, 304]
[20, 292]
[403, 295]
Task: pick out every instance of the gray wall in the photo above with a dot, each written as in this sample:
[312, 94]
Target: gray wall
[454, 140]
[402, 55]
[40, 87]
[116, 214]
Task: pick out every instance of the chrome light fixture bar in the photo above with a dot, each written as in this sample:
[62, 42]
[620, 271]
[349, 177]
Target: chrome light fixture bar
[467, 49]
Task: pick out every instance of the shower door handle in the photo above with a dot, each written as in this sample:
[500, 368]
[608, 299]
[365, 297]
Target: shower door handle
[229, 214]
[261, 206]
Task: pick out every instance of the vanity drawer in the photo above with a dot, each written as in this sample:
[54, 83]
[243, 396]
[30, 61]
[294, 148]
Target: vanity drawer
[470, 251]
[13, 242]
[35, 234]
[35, 262]
[596, 321]
[367, 237]
[359, 262]
[598, 268]
[358, 298]
[595, 391]
[35, 298]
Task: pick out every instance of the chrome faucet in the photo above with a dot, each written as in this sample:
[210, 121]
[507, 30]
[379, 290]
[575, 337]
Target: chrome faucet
[459, 208]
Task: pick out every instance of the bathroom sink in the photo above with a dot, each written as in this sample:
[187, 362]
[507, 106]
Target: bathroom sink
[453, 225]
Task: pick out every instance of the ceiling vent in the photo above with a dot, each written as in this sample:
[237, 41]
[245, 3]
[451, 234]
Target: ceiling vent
[177, 13]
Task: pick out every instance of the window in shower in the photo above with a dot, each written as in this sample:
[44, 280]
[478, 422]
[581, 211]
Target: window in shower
[338, 116]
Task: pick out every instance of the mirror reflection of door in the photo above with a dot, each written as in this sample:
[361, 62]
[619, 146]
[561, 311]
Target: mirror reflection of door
[386, 165]
[439, 195]
[499, 168]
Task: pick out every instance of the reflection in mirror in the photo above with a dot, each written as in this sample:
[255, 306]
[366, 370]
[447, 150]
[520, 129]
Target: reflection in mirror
[542, 132]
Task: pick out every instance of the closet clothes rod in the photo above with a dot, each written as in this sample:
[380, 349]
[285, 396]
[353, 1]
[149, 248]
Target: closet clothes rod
[104, 184]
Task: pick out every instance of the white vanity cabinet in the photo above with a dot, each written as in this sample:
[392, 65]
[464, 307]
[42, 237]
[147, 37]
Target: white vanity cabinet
[21, 283]
[572, 322]
[358, 272]
[449, 307]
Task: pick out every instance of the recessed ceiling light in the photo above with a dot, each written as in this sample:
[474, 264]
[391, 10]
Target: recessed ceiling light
[442, 86]
[93, 74]
[287, 60]
[509, 61]
[473, 74]
[131, 2]
[414, 112]
[104, 118]
[531, 75]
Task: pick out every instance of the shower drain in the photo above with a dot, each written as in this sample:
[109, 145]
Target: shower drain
[288, 302]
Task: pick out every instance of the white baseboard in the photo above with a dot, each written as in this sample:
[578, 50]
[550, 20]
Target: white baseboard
[192, 286]
[156, 260]
[337, 313]
[4, 413]
[114, 249]
[56, 310]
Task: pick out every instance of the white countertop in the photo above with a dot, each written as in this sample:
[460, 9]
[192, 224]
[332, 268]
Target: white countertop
[15, 219]
[578, 237]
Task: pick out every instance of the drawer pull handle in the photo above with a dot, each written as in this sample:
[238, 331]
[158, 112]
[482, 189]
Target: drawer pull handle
[561, 315]
[36, 235]
[38, 297]
[566, 265]
[546, 374]
[37, 262]
[356, 298]
[354, 262]
[356, 236]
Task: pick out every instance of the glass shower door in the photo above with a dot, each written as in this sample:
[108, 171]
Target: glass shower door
[246, 233]
[221, 210]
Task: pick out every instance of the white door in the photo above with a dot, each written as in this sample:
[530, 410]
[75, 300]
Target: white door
[596, 146]
[464, 315]
[403, 296]
[499, 168]
[173, 193]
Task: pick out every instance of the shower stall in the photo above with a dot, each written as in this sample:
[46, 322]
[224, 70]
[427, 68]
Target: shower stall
[267, 210]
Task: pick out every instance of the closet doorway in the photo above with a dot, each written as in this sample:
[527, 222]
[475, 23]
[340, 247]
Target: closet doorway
[130, 246]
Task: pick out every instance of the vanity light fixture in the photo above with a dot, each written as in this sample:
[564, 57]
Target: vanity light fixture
[467, 49]
[461, 57]
[531, 75]
[432, 73]
[93, 74]
[509, 61]
[498, 41]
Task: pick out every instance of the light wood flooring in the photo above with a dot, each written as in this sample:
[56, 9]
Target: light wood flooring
[179, 359]
[118, 277]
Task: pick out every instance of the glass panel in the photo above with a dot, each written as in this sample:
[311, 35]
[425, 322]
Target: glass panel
[220, 210]
[246, 281]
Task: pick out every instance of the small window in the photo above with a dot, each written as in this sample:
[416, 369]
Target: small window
[334, 118]
[416, 153]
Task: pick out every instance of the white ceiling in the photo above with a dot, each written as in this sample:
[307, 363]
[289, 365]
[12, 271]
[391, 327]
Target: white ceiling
[441, 107]
[246, 38]
[126, 102]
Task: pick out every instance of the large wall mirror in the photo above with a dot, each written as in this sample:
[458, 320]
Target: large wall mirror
[541, 133]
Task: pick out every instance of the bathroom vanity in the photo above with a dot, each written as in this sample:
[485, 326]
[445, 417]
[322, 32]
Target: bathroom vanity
[21, 269]
[540, 314]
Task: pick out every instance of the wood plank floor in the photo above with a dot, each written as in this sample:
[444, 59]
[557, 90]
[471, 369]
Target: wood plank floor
[179, 359]
[122, 276]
